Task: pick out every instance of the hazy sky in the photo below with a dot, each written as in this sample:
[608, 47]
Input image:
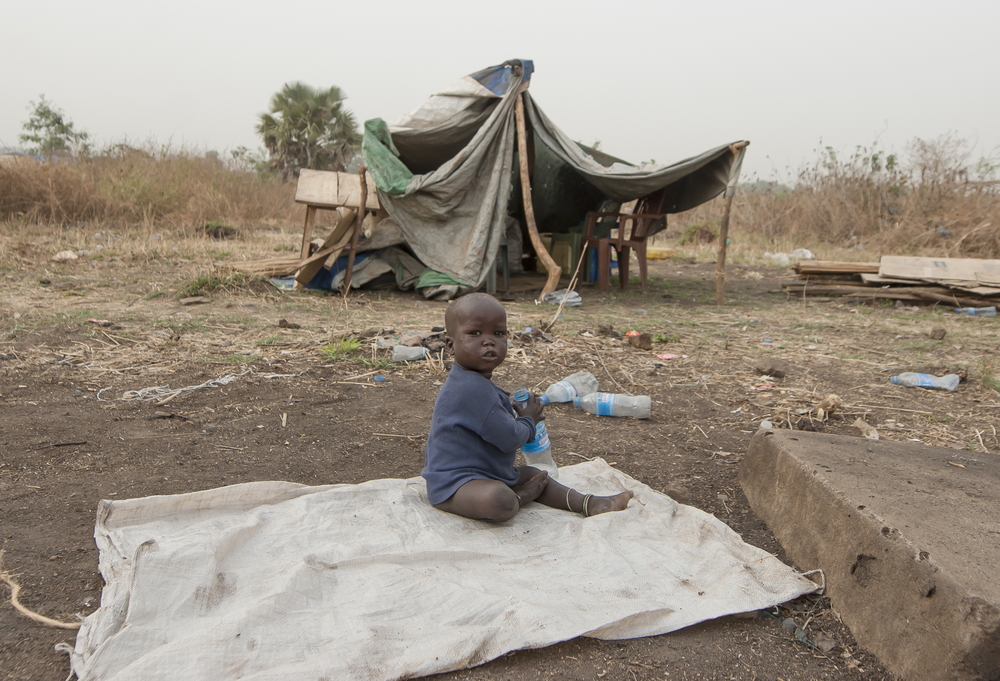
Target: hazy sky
[649, 79]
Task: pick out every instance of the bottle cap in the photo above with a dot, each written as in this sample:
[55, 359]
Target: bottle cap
[521, 395]
[577, 402]
[894, 380]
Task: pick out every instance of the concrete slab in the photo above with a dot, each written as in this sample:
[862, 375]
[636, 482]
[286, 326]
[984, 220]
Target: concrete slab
[909, 542]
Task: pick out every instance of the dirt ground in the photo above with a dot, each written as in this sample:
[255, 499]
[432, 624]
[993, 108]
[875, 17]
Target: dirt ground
[72, 434]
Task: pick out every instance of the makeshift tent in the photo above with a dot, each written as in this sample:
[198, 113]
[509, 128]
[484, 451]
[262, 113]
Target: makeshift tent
[444, 172]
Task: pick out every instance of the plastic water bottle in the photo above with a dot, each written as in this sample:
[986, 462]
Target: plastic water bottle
[579, 384]
[990, 311]
[609, 404]
[914, 380]
[538, 453]
[403, 353]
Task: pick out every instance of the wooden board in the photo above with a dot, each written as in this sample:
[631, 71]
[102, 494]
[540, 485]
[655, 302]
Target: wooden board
[339, 233]
[938, 294]
[328, 189]
[988, 277]
[869, 278]
[983, 290]
[963, 269]
[835, 267]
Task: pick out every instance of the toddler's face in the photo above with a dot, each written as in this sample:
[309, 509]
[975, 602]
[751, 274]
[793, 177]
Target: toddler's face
[479, 339]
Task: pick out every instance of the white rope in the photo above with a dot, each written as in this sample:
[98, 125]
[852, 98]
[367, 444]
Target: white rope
[163, 392]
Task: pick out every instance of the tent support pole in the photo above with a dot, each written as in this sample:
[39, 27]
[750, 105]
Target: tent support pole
[529, 211]
[362, 211]
[720, 261]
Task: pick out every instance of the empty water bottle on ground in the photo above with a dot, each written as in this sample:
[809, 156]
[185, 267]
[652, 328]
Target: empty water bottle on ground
[579, 384]
[609, 404]
[403, 353]
[914, 380]
[990, 311]
[538, 453]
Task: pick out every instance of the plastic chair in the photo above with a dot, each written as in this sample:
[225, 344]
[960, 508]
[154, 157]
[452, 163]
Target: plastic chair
[642, 221]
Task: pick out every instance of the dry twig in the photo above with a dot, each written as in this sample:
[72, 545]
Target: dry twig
[15, 590]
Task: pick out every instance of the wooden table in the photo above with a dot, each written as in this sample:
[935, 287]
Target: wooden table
[329, 190]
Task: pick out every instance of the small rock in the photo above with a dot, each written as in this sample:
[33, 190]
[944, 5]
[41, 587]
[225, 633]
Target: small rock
[644, 341]
[193, 300]
[285, 324]
[65, 256]
[825, 643]
[679, 494]
[772, 367]
[437, 329]
[866, 429]
[937, 333]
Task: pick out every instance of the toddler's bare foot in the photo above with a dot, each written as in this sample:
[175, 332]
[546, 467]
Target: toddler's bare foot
[618, 502]
[533, 488]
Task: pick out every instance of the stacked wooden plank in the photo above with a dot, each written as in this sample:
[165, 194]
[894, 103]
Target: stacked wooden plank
[962, 282]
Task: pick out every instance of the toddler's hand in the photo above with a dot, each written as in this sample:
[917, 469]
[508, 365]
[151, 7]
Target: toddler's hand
[532, 409]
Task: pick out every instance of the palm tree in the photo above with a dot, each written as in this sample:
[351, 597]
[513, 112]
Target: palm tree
[309, 128]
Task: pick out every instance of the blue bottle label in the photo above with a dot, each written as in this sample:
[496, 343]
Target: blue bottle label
[541, 441]
[605, 404]
[925, 381]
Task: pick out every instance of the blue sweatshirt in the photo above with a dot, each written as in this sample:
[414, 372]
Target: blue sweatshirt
[474, 435]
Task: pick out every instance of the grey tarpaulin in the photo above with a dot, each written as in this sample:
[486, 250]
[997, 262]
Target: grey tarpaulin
[460, 145]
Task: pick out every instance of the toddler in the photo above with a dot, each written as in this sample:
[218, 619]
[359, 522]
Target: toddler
[476, 432]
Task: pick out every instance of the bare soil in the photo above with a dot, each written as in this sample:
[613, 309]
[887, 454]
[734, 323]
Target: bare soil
[71, 434]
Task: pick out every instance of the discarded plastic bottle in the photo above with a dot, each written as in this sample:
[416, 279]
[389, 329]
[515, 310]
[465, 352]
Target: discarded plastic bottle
[403, 353]
[609, 404]
[539, 452]
[915, 380]
[990, 311]
[579, 384]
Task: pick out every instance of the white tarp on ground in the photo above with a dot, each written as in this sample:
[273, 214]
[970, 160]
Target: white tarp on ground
[275, 580]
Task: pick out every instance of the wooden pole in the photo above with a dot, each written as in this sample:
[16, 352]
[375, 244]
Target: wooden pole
[362, 211]
[307, 231]
[529, 211]
[720, 262]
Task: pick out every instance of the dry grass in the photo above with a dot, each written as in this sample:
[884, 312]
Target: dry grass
[933, 201]
[129, 188]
